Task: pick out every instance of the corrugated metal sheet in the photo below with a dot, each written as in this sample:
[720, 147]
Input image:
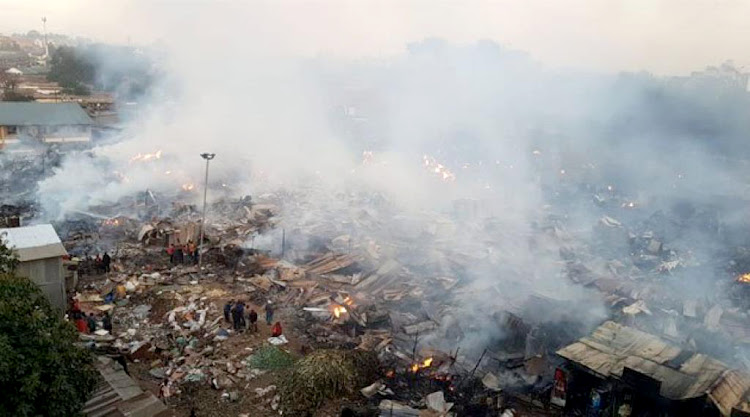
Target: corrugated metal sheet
[613, 347]
[118, 395]
[34, 242]
[43, 114]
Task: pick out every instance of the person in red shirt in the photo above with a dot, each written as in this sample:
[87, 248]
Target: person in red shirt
[276, 329]
[170, 252]
[81, 325]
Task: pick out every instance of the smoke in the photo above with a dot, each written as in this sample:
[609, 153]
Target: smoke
[436, 124]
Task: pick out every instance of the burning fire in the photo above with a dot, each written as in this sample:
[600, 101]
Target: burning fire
[431, 164]
[146, 157]
[629, 204]
[338, 311]
[744, 278]
[425, 364]
[188, 187]
[111, 222]
[348, 301]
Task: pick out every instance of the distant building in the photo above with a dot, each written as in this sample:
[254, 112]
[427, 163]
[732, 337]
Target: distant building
[14, 71]
[43, 123]
[40, 253]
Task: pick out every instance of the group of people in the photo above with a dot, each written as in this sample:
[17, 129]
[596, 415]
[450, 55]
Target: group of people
[234, 312]
[99, 264]
[182, 254]
[88, 324]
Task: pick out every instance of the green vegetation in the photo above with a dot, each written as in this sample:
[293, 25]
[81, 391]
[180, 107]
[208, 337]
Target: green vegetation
[42, 371]
[270, 358]
[72, 70]
[325, 374]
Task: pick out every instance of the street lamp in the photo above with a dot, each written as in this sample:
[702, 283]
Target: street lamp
[208, 157]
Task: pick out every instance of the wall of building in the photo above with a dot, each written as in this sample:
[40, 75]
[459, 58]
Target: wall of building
[48, 274]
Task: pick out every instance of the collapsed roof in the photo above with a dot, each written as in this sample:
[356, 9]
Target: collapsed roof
[683, 375]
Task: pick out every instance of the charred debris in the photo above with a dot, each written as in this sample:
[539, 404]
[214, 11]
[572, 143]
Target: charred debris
[635, 344]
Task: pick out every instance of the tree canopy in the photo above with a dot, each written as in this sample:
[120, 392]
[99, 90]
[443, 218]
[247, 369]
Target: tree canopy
[42, 371]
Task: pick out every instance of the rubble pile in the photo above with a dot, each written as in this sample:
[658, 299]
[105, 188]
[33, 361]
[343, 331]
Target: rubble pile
[400, 289]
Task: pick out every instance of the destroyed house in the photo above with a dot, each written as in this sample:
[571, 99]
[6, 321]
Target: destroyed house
[628, 368]
[39, 253]
[22, 122]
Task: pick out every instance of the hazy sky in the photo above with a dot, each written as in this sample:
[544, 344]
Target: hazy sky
[661, 36]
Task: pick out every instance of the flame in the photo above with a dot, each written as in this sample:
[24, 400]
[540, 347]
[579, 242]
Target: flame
[744, 278]
[111, 222]
[146, 157]
[188, 186]
[338, 311]
[629, 204]
[425, 364]
[348, 300]
[441, 170]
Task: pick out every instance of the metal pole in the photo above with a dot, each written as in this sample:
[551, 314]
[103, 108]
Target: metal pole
[203, 221]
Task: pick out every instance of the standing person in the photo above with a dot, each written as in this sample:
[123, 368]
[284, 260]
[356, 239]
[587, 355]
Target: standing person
[189, 251]
[269, 313]
[228, 309]
[98, 264]
[91, 323]
[238, 315]
[106, 260]
[170, 252]
[81, 323]
[179, 255]
[253, 319]
[193, 252]
[107, 322]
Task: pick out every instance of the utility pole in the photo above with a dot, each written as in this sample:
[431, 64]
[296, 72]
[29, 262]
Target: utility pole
[208, 157]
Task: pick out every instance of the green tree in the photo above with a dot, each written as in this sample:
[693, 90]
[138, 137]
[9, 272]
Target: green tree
[70, 68]
[42, 371]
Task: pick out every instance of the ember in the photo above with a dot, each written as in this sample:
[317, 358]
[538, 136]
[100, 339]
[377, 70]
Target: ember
[425, 364]
[111, 222]
[744, 278]
[338, 311]
[431, 164]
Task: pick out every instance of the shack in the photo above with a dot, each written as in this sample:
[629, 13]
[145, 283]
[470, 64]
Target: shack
[43, 123]
[40, 253]
[620, 370]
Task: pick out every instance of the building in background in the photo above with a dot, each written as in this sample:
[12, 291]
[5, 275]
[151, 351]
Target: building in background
[48, 123]
[40, 253]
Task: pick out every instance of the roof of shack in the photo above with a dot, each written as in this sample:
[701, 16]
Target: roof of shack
[612, 347]
[34, 242]
[42, 114]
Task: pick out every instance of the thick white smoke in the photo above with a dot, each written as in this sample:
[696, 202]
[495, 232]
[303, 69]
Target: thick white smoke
[423, 128]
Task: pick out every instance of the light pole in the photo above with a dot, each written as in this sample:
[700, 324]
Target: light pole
[208, 157]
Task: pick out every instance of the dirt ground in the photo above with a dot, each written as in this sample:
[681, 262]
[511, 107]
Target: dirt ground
[207, 401]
